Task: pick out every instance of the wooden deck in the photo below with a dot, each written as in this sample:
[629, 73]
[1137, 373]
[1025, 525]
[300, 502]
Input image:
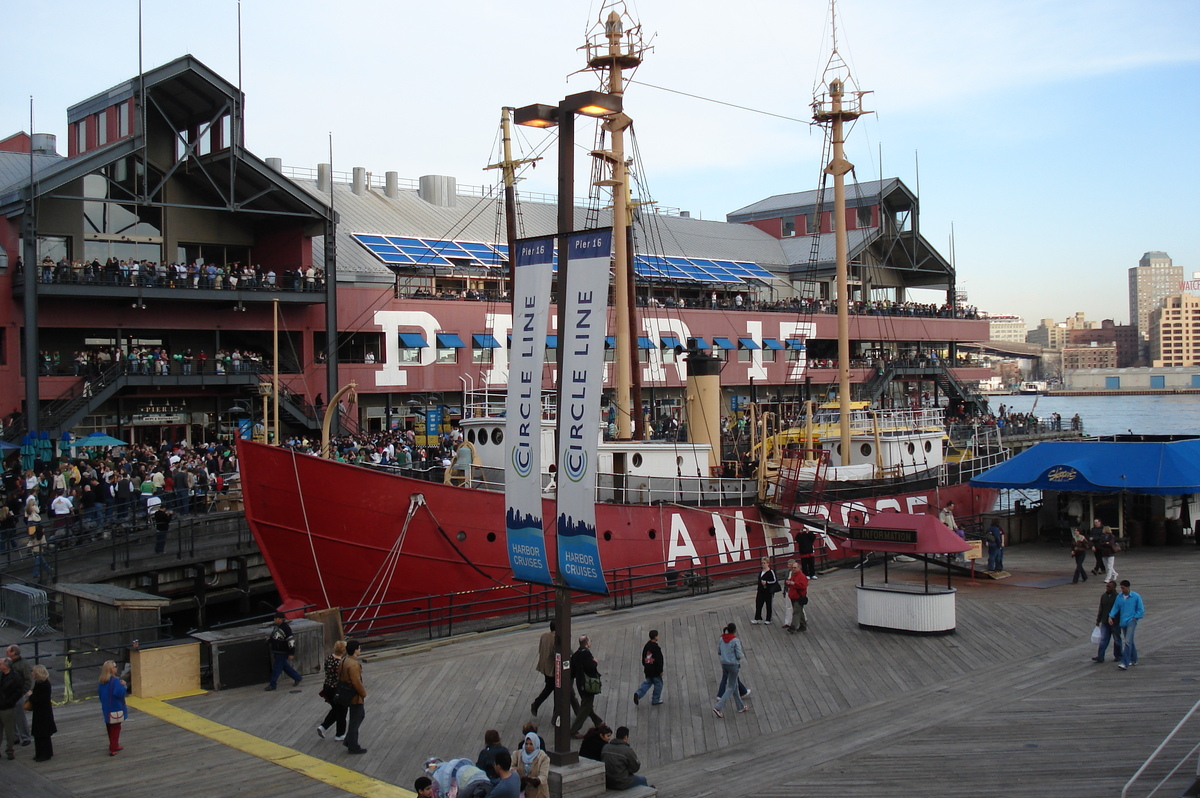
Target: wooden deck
[1011, 705]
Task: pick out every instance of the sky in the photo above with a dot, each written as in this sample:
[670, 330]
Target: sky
[1053, 141]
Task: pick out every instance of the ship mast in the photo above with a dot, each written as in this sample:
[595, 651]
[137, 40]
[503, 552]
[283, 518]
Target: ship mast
[610, 52]
[508, 169]
[833, 106]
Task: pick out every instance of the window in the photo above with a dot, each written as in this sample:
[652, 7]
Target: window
[102, 128]
[124, 112]
[768, 355]
[789, 228]
[81, 135]
[814, 223]
[481, 355]
[863, 217]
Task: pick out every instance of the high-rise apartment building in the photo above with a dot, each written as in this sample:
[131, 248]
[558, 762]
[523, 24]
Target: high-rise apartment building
[1175, 332]
[1150, 282]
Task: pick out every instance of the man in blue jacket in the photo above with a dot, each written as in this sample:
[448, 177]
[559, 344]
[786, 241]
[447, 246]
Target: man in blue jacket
[1127, 610]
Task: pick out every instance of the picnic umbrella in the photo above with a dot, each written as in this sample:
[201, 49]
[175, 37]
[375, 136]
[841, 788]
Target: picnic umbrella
[99, 440]
[27, 452]
[44, 447]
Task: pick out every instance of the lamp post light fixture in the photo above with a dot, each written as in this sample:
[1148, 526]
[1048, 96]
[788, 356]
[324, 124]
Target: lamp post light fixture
[594, 104]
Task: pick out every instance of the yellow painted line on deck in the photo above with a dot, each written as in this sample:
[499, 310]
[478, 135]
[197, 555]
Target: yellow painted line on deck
[334, 775]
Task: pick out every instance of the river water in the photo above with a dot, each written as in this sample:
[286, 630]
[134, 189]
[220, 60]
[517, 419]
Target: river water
[1114, 415]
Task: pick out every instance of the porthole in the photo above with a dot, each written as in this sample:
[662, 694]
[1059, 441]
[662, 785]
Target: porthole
[928, 447]
[912, 449]
[497, 436]
[491, 537]
[637, 459]
[865, 449]
[653, 534]
[471, 436]
[482, 439]
[607, 535]
[839, 450]
[461, 536]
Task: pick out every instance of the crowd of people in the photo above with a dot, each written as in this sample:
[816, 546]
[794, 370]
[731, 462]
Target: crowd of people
[152, 361]
[151, 274]
[69, 501]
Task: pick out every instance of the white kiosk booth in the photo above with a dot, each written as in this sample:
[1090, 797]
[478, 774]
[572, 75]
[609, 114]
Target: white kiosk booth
[905, 607]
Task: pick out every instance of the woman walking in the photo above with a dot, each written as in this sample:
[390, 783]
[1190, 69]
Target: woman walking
[336, 716]
[797, 587]
[1079, 550]
[768, 586]
[112, 704]
[42, 726]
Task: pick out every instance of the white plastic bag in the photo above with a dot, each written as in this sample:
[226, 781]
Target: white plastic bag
[1096, 635]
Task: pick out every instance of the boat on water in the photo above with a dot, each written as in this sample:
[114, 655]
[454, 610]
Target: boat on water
[1032, 388]
[385, 541]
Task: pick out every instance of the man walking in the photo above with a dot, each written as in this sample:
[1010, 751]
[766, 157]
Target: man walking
[1107, 630]
[1127, 610]
[351, 673]
[545, 665]
[585, 669]
[1093, 536]
[729, 650]
[283, 651]
[652, 665]
[20, 668]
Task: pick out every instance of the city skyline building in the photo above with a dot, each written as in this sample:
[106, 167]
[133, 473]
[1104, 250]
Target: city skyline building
[1175, 332]
[1150, 282]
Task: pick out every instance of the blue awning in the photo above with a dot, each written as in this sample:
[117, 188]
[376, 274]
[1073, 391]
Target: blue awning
[1162, 468]
[412, 340]
[552, 342]
[670, 342]
[748, 343]
[771, 343]
[645, 343]
[700, 343]
[450, 341]
[485, 341]
[724, 343]
[795, 343]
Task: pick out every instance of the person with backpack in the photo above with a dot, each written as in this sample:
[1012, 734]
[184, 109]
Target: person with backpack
[652, 666]
[994, 537]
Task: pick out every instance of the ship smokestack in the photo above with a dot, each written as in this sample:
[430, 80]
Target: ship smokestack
[704, 401]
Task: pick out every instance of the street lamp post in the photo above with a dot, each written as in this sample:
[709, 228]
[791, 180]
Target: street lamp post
[594, 104]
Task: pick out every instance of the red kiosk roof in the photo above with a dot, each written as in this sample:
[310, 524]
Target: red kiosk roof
[904, 534]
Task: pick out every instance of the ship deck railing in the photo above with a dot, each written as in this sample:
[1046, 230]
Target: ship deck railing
[698, 491]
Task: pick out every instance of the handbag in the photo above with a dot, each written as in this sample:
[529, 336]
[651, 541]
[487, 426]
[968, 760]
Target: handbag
[344, 693]
[117, 715]
[775, 588]
[591, 684]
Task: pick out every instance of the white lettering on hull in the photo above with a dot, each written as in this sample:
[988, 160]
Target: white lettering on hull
[737, 548]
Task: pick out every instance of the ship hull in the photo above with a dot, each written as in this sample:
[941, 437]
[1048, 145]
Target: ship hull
[339, 535]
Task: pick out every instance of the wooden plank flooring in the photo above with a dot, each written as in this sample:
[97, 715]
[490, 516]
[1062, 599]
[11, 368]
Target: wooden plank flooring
[1011, 705]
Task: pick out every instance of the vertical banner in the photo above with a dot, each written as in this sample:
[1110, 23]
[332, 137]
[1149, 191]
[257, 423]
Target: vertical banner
[532, 274]
[580, 384]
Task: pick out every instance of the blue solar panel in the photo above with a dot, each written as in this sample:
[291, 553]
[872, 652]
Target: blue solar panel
[394, 258]
[406, 242]
[368, 240]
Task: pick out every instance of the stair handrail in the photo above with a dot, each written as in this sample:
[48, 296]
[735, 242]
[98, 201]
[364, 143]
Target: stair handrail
[1157, 751]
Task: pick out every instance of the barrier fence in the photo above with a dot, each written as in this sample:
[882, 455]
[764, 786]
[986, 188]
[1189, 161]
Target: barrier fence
[27, 606]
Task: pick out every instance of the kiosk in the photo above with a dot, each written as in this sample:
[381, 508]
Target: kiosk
[904, 607]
